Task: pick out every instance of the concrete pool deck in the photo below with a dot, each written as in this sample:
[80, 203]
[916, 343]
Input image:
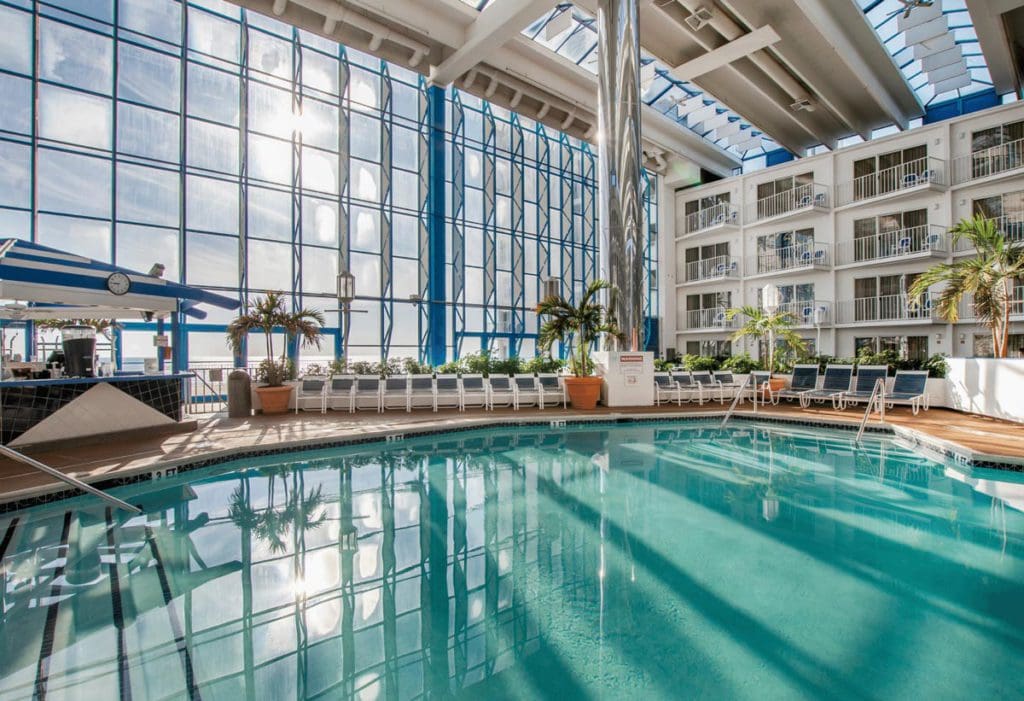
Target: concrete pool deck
[968, 436]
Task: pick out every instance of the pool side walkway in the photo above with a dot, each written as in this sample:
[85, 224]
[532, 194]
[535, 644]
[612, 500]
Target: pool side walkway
[968, 433]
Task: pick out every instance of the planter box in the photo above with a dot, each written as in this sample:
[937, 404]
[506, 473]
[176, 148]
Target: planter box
[257, 407]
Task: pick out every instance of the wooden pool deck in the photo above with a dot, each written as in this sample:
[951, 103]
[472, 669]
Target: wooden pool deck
[218, 435]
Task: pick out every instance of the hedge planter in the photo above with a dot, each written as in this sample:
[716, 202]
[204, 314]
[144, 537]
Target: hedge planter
[274, 400]
[583, 391]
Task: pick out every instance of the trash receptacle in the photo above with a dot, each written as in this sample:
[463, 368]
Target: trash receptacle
[239, 394]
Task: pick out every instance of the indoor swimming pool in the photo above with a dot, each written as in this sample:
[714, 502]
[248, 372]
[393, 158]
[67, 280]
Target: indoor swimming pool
[646, 560]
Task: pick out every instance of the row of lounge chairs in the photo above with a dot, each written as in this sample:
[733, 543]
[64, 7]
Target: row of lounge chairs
[408, 392]
[839, 385]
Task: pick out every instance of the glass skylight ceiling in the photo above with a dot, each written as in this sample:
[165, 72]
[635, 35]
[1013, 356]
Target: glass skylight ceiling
[681, 101]
[936, 47]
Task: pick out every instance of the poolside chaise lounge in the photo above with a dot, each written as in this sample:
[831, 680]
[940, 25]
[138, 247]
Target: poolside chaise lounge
[863, 385]
[500, 392]
[909, 387]
[473, 392]
[552, 390]
[447, 393]
[309, 393]
[688, 389]
[805, 379]
[728, 382]
[526, 390]
[421, 393]
[837, 380]
[367, 389]
[395, 392]
[339, 393]
[665, 389]
[709, 384]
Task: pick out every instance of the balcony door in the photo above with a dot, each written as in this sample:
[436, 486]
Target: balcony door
[886, 172]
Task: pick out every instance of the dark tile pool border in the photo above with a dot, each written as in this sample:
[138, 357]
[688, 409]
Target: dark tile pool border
[937, 447]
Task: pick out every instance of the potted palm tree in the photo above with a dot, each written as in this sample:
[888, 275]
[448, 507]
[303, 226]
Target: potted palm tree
[579, 325]
[989, 277]
[768, 327]
[267, 315]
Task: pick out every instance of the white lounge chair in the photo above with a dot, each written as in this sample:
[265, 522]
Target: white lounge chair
[909, 387]
[367, 393]
[421, 393]
[340, 390]
[500, 392]
[395, 392]
[552, 390]
[688, 389]
[665, 389]
[805, 379]
[447, 393]
[863, 385]
[473, 392]
[837, 380]
[709, 384]
[527, 391]
[309, 393]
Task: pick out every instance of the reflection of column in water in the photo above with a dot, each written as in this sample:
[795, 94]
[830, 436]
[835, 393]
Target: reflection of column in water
[437, 577]
[459, 557]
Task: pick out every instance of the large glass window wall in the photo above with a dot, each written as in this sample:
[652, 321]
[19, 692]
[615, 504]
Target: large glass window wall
[246, 155]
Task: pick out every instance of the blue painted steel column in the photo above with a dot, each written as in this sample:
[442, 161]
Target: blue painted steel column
[159, 350]
[179, 343]
[436, 227]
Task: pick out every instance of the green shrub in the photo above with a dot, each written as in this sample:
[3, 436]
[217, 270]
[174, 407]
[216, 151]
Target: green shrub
[452, 367]
[336, 366]
[506, 366]
[411, 366]
[663, 364]
[936, 366]
[476, 363]
[543, 364]
[700, 363]
[741, 364]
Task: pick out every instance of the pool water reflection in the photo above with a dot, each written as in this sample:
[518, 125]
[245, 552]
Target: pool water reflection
[658, 560]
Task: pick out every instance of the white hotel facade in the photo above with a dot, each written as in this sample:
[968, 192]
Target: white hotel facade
[842, 235]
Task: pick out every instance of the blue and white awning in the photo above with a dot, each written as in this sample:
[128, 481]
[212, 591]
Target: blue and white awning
[63, 285]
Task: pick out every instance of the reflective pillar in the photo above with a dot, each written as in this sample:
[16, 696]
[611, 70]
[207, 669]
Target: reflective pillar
[619, 158]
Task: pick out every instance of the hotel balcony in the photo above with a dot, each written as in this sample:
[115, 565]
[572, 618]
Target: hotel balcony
[886, 310]
[995, 163]
[780, 261]
[968, 314]
[810, 313]
[717, 268]
[911, 243]
[1012, 228]
[708, 320]
[811, 198]
[904, 180]
[721, 217]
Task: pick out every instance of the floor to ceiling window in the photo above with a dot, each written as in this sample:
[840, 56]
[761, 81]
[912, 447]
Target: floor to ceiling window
[247, 155]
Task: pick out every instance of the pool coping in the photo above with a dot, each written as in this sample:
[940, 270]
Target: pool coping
[936, 448]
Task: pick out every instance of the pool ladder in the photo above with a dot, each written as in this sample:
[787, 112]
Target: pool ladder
[738, 397]
[113, 501]
[877, 395]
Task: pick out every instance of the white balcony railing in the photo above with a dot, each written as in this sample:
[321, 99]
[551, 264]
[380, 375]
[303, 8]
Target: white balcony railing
[1011, 226]
[920, 171]
[967, 312]
[721, 214]
[884, 308]
[800, 198]
[708, 319]
[808, 312]
[719, 267]
[913, 240]
[803, 255]
[989, 161]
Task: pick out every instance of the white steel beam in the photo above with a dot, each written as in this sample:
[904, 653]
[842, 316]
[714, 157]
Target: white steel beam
[727, 53]
[498, 23]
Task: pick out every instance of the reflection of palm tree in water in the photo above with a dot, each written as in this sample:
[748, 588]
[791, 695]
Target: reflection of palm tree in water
[302, 510]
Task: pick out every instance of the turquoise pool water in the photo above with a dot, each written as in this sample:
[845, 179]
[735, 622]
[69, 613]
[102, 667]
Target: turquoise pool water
[646, 561]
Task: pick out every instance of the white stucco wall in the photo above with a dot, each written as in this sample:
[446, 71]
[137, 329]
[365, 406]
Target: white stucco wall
[988, 386]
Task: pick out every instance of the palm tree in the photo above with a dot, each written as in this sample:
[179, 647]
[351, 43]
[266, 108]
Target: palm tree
[268, 314]
[767, 326]
[580, 324]
[989, 277]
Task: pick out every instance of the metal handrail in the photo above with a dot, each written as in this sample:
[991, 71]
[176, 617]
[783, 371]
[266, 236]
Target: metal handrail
[736, 399]
[877, 394]
[209, 387]
[114, 501]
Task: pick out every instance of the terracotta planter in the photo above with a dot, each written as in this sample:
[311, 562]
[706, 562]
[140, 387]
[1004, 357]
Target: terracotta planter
[583, 391]
[774, 384]
[274, 400]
